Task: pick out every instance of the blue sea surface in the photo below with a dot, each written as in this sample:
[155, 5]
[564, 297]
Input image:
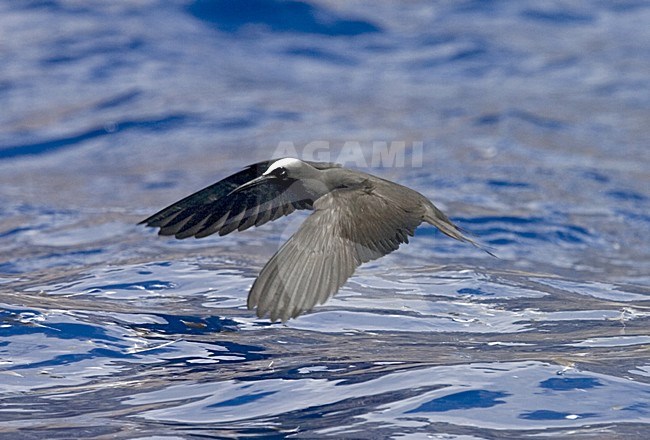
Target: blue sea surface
[527, 122]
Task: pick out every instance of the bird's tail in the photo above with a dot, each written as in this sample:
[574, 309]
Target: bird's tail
[437, 218]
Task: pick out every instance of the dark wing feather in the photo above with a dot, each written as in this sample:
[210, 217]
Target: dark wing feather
[349, 227]
[217, 209]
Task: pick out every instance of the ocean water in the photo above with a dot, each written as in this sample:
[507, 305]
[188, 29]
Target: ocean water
[527, 122]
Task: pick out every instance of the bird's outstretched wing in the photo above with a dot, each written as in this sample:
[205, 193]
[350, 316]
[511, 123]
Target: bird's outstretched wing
[218, 209]
[349, 227]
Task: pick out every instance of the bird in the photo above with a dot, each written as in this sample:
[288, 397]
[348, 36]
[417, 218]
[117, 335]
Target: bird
[357, 217]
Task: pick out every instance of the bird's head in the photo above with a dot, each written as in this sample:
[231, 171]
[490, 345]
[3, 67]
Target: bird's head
[287, 170]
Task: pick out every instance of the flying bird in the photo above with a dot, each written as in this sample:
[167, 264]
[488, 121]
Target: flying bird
[357, 217]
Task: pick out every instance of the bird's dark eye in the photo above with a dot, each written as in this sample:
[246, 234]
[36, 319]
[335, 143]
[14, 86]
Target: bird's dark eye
[280, 172]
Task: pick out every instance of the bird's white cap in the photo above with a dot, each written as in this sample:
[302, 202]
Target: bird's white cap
[285, 162]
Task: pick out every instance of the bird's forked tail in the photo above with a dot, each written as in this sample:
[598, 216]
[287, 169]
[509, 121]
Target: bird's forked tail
[437, 218]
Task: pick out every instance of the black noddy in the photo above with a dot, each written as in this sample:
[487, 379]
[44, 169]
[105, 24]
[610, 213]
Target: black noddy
[357, 217]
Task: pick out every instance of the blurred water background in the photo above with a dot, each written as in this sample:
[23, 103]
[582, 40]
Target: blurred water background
[532, 119]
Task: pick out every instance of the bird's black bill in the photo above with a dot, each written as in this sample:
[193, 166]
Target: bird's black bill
[250, 184]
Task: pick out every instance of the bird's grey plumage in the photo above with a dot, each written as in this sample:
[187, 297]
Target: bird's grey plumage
[357, 217]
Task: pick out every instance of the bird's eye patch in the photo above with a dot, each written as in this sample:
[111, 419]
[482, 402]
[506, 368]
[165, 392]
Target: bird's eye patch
[280, 172]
